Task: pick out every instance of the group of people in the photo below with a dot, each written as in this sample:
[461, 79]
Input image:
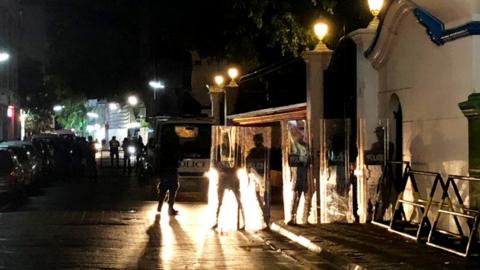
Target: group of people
[130, 146]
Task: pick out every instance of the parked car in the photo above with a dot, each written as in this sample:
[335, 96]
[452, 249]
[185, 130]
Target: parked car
[28, 160]
[12, 176]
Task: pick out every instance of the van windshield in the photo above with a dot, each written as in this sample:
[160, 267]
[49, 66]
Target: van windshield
[6, 163]
[194, 139]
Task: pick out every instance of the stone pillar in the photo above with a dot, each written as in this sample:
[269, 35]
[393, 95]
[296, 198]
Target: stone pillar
[471, 110]
[216, 99]
[316, 63]
[367, 108]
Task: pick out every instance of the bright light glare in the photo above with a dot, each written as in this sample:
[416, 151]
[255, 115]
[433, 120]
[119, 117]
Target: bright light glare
[133, 125]
[232, 73]
[23, 116]
[113, 106]
[98, 146]
[321, 30]
[228, 213]
[219, 80]
[132, 100]
[92, 114]
[131, 150]
[375, 6]
[57, 108]
[156, 84]
[4, 56]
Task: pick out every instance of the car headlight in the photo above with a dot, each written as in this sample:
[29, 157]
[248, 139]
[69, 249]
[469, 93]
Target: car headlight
[131, 149]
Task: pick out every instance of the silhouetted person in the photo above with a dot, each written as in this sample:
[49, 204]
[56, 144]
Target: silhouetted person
[114, 145]
[126, 155]
[168, 170]
[90, 158]
[387, 191]
[256, 159]
[227, 163]
[77, 157]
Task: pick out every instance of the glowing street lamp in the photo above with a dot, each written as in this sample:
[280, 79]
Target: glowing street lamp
[58, 108]
[219, 81]
[375, 6]
[113, 106]
[92, 114]
[156, 84]
[233, 74]
[4, 56]
[321, 30]
[132, 100]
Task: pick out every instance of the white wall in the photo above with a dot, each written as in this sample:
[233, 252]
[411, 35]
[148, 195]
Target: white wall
[430, 81]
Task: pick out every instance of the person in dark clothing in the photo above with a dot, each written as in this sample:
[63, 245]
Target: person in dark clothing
[140, 148]
[77, 157]
[256, 159]
[90, 158]
[126, 155]
[168, 168]
[114, 145]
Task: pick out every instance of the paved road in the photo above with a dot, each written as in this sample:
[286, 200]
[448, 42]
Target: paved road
[113, 224]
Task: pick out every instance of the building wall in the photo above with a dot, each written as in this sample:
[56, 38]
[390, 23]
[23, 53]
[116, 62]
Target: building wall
[430, 81]
[203, 70]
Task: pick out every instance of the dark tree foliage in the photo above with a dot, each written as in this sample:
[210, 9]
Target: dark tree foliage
[108, 47]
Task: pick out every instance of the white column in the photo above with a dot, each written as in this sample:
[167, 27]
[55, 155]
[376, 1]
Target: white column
[367, 108]
[316, 62]
[216, 99]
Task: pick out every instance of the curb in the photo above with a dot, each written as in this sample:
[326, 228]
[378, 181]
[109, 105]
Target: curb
[337, 260]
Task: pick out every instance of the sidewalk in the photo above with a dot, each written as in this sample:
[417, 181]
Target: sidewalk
[366, 246]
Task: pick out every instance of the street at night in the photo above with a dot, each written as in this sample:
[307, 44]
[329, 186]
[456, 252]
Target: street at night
[277, 134]
[113, 224]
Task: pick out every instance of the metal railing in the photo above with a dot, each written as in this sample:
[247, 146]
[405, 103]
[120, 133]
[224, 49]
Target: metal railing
[471, 215]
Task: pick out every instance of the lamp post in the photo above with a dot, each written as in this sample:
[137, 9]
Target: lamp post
[316, 61]
[132, 100]
[215, 91]
[155, 85]
[56, 109]
[233, 74]
[220, 87]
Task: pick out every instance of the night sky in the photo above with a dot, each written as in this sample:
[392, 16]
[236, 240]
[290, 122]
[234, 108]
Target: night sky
[107, 48]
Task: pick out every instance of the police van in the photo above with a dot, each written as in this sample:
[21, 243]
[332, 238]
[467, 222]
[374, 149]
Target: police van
[194, 136]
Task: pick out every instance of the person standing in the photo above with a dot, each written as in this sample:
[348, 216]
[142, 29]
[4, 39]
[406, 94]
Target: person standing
[126, 155]
[91, 162]
[256, 168]
[299, 161]
[168, 169]
[114, 145]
